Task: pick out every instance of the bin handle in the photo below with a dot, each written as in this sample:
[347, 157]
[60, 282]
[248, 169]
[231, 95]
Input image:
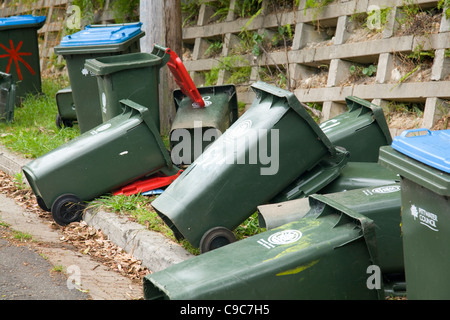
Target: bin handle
[181, 76]
[406, 132]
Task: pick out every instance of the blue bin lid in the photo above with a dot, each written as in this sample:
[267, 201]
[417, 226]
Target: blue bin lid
[102, 35]
[431, 148]
[21, 20]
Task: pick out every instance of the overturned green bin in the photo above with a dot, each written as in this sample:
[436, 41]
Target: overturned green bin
[7, 97]
[362, 130]
[330, 254]
[261, 153]
[347, 246]
[111, 155]
[330, 177]
[93, 42]
[194, 128]
[133, 76]
[422, 161]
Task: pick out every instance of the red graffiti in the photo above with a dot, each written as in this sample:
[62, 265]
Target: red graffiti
[14, 55]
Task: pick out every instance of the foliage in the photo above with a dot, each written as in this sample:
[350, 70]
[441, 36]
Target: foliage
[317, 6]
[360, 71]
[214, 48]
[445, 6]
[238, 68]
[33, 131]
[125, 10]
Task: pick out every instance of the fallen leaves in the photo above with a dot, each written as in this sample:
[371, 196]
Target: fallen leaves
[86, 239]
[96, 244]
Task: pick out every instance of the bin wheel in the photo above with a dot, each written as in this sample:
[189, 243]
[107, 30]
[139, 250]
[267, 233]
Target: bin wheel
[215, 238]
[66, 209]
[60, 122]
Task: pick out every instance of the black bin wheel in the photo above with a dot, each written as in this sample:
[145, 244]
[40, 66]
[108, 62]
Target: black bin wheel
[215, 238]
[66, 209]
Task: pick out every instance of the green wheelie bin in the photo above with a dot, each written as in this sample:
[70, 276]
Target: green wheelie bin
[268, 147]
[7, 97]
[362, 130]
[325, 255]
[19, 53]
[193, 128]
[107, 157]
[133, 76]
[67, 114]
[348, 246]
[93, 42]
[421, 158]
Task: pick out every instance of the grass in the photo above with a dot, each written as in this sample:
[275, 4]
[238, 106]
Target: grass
[139, 208]
[33, 131]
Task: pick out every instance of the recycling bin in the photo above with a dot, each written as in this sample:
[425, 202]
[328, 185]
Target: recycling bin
[111, 155]
[66, 115]
[194, 128]
[323, 256]
[422, 162]
[7, 97]
[361, 130]
[19, 53]
[268, 147]
[93, 42]
[133, 76]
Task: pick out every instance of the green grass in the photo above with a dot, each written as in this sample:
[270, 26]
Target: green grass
[33, 131]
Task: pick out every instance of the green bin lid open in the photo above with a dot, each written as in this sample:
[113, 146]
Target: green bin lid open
[21, 21]
[431, 148]
[104, 35]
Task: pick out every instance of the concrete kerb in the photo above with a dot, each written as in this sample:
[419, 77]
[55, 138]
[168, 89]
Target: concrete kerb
[154, 250]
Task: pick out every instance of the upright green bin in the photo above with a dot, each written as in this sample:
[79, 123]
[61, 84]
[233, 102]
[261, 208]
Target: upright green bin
[67, 114]
[424, 167]
[133, 76]
[111, 155]
[324, 256]
[7, 97]
[269, 146]
[93, 42]
[19, 53]
[193, 128]
[361, 130]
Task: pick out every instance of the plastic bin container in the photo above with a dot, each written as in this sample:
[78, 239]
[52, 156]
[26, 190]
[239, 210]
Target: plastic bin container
[7, 97]
[423, 164]
[194, 128]
[67, 114]
[361, 130]
[268, 147]
[93, 42]
[19, 53]
[324, 256]
[119, 151]
[133, 76]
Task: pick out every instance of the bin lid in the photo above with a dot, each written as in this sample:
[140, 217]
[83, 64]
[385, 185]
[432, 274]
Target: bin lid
[102, 35]
[21, 21]
[431, 148]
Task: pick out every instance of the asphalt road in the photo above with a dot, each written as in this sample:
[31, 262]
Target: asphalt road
[26, 275]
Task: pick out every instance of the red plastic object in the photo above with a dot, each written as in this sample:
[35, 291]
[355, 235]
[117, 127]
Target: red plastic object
[144, 185]
[183, 79]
